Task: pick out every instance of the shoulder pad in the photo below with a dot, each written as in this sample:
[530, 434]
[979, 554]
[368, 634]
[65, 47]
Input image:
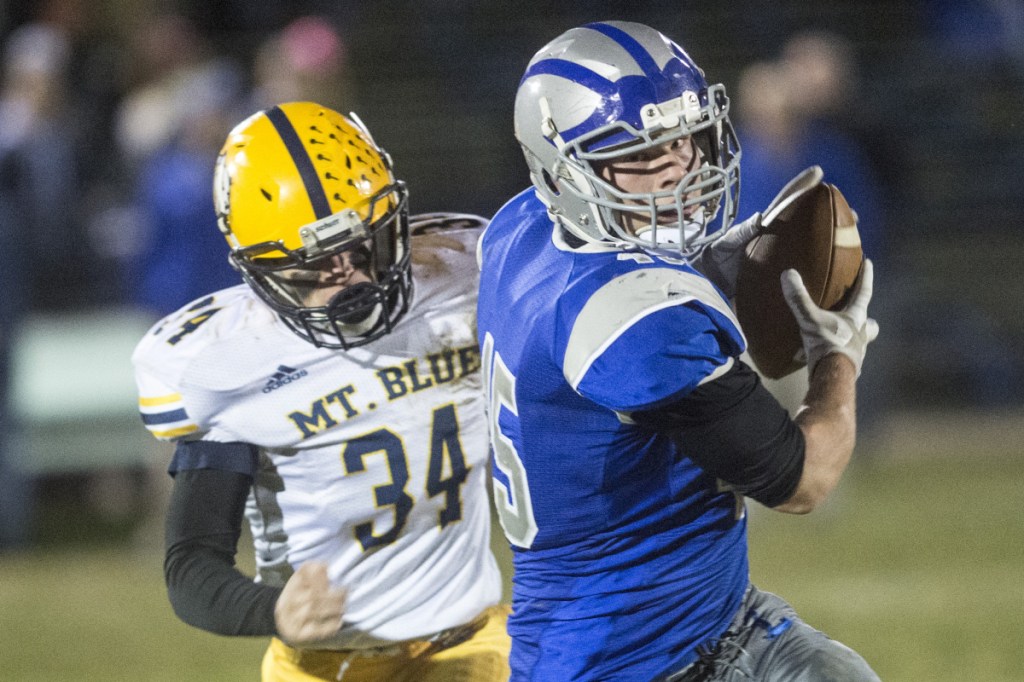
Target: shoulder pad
[429, 223]
[622, 302]
[162, 357]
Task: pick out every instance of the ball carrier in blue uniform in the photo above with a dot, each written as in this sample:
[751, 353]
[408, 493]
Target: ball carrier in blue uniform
[625, 429]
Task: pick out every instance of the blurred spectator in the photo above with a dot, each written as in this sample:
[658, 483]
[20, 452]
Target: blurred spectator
[16, 498]
[809, 107]
[166, 51]
[169, 128]
[38, 154]
[36, 183]
[305, 61]
[182, 255]
[977, 32]
[787, 117]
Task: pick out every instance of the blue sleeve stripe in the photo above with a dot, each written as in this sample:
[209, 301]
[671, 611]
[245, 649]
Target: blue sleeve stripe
[164, 417]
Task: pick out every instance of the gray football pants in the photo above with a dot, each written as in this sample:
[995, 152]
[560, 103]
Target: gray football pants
[767, 642]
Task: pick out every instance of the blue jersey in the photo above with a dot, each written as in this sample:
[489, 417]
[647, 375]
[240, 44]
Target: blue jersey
[627, 554]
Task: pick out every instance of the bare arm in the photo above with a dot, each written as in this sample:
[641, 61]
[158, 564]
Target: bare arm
[828, 421]
[835, 343]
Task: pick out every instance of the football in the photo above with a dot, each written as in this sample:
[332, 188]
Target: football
[817, 235]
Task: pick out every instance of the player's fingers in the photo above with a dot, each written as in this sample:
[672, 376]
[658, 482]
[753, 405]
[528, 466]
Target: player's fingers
[863, 290]
[795, 293]
[332, 602]
[743, 232]
[312, 573]
[871, 330]
[331, 611]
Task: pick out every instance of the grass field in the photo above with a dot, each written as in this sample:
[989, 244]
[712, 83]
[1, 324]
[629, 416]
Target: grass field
[917, 563]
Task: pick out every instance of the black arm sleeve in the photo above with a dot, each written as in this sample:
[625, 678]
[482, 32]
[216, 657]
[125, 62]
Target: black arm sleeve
[737, 431]
[204, 522]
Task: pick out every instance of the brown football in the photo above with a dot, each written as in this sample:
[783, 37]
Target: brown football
[816, 234]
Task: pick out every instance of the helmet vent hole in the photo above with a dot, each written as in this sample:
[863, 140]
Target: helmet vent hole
[338, 197]
[348, 161]
[266, 195]
[330, 176]
[321, 157]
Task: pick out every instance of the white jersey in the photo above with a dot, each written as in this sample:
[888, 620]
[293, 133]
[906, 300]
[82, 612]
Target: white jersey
[371, 460]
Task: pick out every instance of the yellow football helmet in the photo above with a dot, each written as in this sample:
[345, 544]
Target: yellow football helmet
[317, 223]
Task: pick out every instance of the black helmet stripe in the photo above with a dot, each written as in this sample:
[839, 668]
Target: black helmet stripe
[292, 142]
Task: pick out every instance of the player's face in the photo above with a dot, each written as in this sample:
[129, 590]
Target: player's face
[658, 169]
[315, 286]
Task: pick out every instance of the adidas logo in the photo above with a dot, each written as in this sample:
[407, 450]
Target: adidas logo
[283, 376]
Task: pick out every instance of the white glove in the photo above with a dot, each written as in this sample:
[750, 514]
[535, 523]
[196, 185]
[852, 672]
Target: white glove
[309, 610]
[847, 331]
[720, 259]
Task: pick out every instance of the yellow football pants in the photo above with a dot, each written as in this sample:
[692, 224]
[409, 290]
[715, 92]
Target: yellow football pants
[481, 658]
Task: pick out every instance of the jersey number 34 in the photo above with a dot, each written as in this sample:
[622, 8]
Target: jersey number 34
[444, 440]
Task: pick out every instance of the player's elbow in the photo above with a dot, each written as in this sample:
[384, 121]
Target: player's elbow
[177, 590]
[802, 502]
[829, 444]
[815, 486]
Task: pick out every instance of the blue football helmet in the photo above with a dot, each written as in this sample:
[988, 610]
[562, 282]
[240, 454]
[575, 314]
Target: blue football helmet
[612, 90]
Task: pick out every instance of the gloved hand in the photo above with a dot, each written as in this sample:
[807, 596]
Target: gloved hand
[720, 259]
[309, 610]
[847, 331]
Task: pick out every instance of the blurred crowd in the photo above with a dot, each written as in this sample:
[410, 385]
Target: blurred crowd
[111, 115]
[109, 123]
[106, 151]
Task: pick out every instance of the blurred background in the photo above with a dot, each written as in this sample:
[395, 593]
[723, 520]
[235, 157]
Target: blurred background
[111, 115]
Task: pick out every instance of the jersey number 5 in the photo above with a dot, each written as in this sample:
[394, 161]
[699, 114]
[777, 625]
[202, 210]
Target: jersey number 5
[444, 443]
[511, 495]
